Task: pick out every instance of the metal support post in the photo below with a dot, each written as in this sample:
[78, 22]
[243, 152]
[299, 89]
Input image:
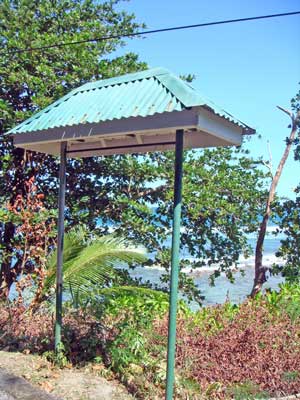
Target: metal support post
[60, 245]
[174, 265]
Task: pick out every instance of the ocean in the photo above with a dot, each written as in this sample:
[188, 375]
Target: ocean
[224, 290]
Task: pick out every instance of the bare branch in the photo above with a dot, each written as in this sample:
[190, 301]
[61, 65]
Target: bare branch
[270, 152]
[288, 112]
[269, 166]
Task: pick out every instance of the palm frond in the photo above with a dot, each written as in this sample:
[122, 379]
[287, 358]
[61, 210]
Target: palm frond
[86, 264]
[74, 242]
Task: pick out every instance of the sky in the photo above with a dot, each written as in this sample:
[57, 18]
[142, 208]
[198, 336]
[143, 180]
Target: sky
[246, 68]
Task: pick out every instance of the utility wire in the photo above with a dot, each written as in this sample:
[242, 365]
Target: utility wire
[148, 32]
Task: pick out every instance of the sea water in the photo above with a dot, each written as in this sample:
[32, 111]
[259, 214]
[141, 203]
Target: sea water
[224, 290]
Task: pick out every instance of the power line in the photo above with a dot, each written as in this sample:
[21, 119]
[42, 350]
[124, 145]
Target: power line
[148, 32]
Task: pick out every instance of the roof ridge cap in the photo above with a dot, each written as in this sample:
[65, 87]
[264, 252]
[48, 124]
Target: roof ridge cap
[118, 80]
[185, 93]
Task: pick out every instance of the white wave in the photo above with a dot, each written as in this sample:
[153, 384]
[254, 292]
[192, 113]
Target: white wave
[249, 262]
[270, 234]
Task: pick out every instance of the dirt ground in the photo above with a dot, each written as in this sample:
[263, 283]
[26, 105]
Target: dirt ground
[86, 383]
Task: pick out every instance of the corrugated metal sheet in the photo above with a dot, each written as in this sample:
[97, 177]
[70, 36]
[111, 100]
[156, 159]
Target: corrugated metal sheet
[140, 94]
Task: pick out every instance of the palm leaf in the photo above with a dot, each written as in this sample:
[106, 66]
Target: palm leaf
[74, 242]
[87, 264]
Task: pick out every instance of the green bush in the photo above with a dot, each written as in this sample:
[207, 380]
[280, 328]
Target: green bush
[213, 319]
[246, 391]
[129, 312]
[286, 300]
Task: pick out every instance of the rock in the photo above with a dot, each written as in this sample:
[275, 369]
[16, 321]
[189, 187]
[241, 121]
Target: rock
[15, 388]
[5, 396]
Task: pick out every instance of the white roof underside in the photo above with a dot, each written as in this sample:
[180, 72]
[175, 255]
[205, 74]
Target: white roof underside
[202, 127]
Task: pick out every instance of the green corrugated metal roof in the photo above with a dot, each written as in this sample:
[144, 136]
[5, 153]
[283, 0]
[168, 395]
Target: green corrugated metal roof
[140, 94]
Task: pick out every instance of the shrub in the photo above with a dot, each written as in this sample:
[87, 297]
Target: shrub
[224, 351]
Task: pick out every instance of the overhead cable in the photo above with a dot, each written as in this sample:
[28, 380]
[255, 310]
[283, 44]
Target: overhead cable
[147, 32]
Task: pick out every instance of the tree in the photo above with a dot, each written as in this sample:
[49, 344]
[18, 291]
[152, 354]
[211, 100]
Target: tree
[289, 251]
[289, 222]
[31, 80]
[223, 188]
[34, 235]
[223, 193]
[260, 270]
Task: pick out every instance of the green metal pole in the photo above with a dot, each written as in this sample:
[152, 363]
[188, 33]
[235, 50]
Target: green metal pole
[60, 245]
[174, 265]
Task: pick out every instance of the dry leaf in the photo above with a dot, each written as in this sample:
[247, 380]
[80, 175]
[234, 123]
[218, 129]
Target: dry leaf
[47, 386]
[97, 367]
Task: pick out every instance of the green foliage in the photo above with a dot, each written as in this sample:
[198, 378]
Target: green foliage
[188, 78]
[57, 357]
[128, 348]
[247, 391]
[289, 251]
[295, 102]
[36, 78]
[90, 263]
[126, 330]
[213, 319]
[131, 311]
[141, 304]
[220, 204]
[137, 351]
[191, 385]
[291, 375]
[289, 221]
[223, 189]
[286, 300]
[31, 80]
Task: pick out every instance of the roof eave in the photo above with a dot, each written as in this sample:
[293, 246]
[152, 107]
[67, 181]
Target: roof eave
[136, 134]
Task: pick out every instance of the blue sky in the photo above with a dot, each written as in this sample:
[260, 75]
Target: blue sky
[247, 68]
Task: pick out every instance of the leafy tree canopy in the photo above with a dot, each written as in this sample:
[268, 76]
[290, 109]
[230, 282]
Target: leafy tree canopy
[31, 80]
[223, 188]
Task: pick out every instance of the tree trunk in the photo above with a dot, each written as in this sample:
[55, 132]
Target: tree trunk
[260, 270]
[7, 272]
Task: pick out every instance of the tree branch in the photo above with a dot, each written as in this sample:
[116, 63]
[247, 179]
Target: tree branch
[288, 112]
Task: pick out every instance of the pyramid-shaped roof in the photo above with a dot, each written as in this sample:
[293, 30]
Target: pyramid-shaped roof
[135, 112]
[139, 94]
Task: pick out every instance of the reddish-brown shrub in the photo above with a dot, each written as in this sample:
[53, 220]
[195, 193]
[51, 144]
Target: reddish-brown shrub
[83, 336]
[256, 346]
